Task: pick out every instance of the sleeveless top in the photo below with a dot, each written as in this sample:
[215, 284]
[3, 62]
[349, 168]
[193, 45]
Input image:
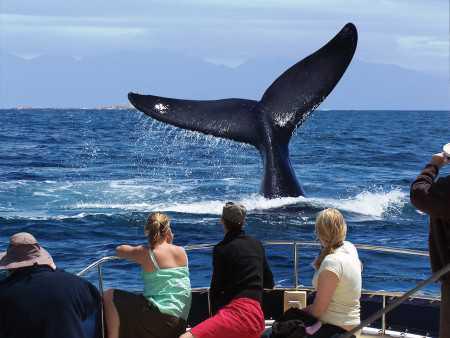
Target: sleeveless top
[344, 308]
[169, 289]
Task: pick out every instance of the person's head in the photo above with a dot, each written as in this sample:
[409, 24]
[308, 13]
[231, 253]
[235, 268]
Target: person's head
[157, 229]
[233, 216]
[331, 230]
[24, 251]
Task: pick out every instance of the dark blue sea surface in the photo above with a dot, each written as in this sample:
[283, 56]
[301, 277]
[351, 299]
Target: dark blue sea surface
[84, 181]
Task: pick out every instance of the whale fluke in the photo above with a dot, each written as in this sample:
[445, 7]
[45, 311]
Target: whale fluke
[268, 124]
[228, 118]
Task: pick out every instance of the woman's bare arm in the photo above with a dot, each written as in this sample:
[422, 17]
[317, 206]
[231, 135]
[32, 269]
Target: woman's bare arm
[130, 252]
[326, 285]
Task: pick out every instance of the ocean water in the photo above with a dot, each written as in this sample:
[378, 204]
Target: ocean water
[84, 181]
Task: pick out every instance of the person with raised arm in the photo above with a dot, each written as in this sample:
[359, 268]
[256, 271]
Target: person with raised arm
[163, 309]
[432, 196]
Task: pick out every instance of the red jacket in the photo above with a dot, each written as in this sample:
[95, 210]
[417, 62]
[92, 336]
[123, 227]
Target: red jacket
[433, 198]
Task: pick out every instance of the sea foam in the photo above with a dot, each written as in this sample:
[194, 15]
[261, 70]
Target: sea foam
[374, 204]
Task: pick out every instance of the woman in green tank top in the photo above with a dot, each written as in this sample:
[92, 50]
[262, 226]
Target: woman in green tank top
[163, 308]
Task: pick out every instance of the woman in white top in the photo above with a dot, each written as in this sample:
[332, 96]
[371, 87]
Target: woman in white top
[337, 279]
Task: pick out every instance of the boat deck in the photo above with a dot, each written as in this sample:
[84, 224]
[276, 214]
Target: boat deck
[410, 316]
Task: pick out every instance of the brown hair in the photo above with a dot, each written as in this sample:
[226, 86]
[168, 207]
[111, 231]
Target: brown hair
[331, 230]
[231, 226]
[156, 228]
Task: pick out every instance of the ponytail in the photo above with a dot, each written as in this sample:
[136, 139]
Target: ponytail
[331, 229]
[156, 228]
[325, 252]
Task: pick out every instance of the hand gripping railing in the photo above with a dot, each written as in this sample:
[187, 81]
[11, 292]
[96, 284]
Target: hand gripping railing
[399, 301]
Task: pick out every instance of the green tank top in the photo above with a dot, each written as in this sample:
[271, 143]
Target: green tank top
[169, 289]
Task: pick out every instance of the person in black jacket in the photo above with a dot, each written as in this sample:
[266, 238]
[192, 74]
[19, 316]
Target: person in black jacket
[240, 273]
[433, 197]
[37, 300]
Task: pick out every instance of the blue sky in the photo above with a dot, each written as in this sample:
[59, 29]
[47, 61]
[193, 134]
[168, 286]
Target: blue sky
[410, 33]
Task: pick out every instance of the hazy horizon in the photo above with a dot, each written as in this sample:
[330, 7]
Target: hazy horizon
[56, 54]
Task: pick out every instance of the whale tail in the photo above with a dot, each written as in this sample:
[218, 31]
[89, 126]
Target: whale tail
[302, 88]
[267, 124]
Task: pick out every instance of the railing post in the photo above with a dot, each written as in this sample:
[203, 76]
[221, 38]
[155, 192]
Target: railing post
[209, 305]
[100, 288]
[295, 265]
[383, 318]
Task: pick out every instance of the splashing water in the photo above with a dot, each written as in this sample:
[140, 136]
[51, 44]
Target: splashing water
[368, 203]
[83, 181]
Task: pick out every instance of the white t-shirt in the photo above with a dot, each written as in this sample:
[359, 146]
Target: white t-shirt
[344, 308]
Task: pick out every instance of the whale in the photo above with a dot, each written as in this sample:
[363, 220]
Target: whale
[267, 124]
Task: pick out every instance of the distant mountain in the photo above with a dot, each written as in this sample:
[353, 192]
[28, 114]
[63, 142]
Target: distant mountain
[58, 81]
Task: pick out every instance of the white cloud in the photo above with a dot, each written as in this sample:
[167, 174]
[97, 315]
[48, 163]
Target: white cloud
[222, 30]
[426, 45]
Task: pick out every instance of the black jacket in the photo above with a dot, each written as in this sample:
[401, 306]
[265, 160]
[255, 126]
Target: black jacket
[433, 198]
[240, 269]
[42, 303]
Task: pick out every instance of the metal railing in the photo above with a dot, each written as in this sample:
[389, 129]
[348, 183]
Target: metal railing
[98, 264]
[382, 312]
[295, 244]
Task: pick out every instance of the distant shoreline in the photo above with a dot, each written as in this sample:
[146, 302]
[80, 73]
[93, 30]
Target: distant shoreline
[101, 107]
[126, 107]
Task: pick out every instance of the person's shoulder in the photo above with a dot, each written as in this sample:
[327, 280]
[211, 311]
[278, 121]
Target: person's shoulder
[140, 249]
[179, 254]
[73, 281]
[349, 246]
[332, 259]
[67, 277]
[347, 252]
[63, 274]
[219, 247]
[333, 263]
[178, 250]
[221, 244]
[250, 241]
[249, 238]
[338, 258]
[443, 183]
[5, 283]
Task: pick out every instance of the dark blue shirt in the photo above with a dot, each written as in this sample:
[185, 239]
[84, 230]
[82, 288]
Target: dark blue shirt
[38, 302]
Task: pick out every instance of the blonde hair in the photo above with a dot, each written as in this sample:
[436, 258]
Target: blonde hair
[157, 228]
[331, 230]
